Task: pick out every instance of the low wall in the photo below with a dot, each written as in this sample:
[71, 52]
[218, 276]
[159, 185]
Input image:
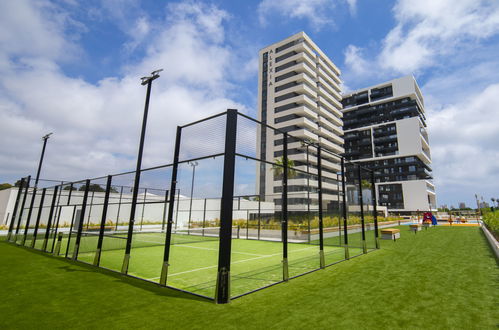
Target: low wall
[494, 245]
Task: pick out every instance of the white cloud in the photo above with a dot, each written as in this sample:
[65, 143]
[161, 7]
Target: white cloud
[318, 12]
[96, 126]
[426, 32]
[25, 31]
[464, 139]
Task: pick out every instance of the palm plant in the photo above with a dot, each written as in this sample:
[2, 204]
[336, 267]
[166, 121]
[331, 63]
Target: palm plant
[278, 167]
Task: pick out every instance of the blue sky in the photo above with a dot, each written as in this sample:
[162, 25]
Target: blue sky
[72, 67]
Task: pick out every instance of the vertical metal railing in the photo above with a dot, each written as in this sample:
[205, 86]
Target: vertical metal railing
[321, 224]
[361, 204]
[375, 210]
[103, 221]
[81, 221]
[345, 211]
[284, 209]
[222, 292]
[14, 212]
[40, 210]
[50, 219]
[171, 203]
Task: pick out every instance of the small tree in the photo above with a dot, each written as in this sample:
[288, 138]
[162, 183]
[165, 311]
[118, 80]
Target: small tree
[4, 186]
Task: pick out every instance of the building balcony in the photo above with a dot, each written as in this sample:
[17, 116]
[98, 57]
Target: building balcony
[299, 78]
[332, 89]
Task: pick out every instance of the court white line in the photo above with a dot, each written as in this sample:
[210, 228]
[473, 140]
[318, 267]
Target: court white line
[235, 262]
[208, 249]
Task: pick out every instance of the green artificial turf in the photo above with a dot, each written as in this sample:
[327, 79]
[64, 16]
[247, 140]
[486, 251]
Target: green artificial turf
[444, 277]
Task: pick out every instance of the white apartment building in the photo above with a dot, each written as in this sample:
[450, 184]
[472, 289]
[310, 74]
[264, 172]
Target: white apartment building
[299, 93]
[385, 130]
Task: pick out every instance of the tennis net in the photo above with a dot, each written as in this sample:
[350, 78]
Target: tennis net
[116, 240]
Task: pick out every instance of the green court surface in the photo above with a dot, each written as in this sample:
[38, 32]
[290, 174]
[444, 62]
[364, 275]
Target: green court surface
[194, 260]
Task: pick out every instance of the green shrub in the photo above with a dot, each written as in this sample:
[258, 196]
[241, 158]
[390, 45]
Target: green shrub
[491, 220]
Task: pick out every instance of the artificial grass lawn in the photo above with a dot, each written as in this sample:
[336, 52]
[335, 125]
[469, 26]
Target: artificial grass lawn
[438, 278]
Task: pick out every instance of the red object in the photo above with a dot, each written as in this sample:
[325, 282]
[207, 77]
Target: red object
[427, 217]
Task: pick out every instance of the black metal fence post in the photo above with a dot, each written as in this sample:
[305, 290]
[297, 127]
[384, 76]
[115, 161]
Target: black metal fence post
[375, 210]
[39, 216]
[71, 230]
[119, 207]
[30, 212]
[49, 222]
[259, 216]
[284, 209]
[103, 221]
[345, 212]
[321, 224]
[14, 212]
[171, 205]
[23, 204]
[163, 223]
[82, 220]
[361, 202]
[58, 211]
[222, 293]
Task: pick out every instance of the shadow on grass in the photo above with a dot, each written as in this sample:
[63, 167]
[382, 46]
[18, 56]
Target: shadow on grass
[78, 266]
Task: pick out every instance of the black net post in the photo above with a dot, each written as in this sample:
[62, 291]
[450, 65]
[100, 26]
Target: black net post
[49, 223]
[103, 221]
[204, 216]
[30, 212]
[81, 221]
[321, 225]
[375, 210]
[222, 293]
[143, 209]
[16, 206]
[119, 207]
[163, 223]
[39, 216]
[284, 209]
[90, 208]
[58, 211]
[361, 202]
[23, 204]
[259, 216]
[171, 205]
[57, 249]
[71, 230]
[344, 193]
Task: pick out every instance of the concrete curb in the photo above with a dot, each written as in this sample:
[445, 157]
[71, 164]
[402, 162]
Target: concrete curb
[492, 240]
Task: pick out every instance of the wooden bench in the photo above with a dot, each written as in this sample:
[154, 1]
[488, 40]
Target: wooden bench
[415, 227]
[390, 233]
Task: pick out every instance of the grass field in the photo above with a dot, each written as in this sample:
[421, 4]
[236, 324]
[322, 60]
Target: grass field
[444, 278]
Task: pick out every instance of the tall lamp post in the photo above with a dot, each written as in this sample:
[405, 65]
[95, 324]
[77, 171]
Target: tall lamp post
[44, 138]
[193, 164]
[145, 81]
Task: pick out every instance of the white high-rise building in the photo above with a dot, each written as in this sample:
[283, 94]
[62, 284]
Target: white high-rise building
[385, 130]
[299, 93]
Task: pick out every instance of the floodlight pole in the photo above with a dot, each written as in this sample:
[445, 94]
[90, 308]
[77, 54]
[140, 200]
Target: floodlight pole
[145, 81]
[44, 138]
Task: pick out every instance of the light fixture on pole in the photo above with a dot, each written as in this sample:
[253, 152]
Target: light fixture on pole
[193, 164]
[44, 138]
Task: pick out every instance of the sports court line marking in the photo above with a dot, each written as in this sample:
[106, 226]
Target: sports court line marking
[209, 249]
[235, 262]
